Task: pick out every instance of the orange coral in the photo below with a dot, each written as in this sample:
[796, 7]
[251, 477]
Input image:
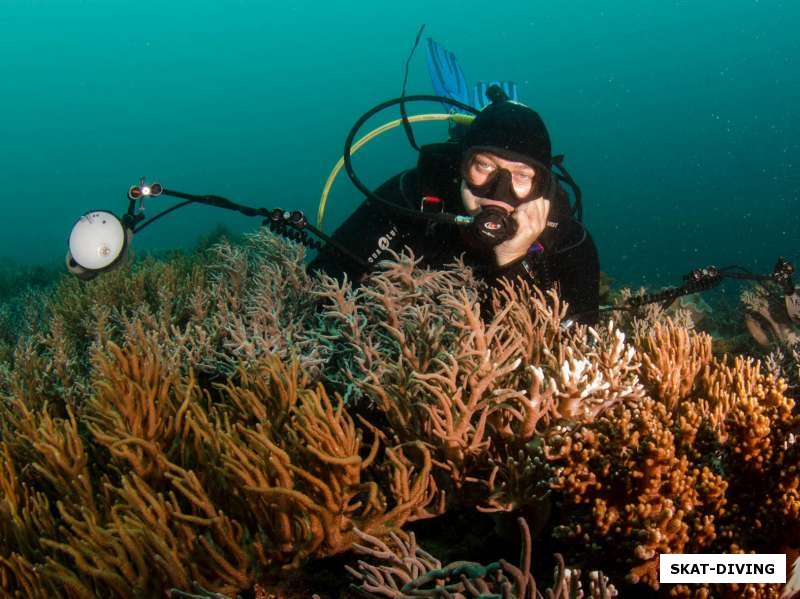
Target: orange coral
[294, 460]
[639, 494]
[137, 410]
[693, 469]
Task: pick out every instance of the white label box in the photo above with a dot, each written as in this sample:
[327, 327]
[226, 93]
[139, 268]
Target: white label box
[722, 567]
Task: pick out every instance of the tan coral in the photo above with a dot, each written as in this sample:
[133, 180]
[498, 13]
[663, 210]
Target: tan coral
[672, 358]
[441, 371]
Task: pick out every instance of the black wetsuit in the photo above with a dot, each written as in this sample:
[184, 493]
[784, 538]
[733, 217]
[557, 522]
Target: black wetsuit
[568, 259]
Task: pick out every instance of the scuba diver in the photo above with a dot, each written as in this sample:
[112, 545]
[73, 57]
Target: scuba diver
[492, 193]
[500, 165]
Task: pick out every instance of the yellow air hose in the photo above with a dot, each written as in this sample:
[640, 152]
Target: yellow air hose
[323, 200]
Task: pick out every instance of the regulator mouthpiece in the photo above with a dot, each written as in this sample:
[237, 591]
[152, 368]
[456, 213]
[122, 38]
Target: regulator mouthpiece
[492, 226]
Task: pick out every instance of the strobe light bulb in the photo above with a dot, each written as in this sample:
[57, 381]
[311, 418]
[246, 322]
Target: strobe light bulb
[96, 240]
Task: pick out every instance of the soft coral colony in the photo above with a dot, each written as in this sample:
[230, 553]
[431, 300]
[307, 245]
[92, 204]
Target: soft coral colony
[222, 419]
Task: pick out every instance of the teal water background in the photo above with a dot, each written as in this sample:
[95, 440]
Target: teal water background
[678, 119]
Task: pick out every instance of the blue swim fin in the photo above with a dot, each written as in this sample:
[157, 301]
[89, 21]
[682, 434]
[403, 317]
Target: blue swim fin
[479, 99]
[446, 75]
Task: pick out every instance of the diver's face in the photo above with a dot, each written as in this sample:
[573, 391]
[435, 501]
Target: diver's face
[489, 180]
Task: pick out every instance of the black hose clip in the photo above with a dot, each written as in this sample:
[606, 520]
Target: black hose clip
[700, 279]
[290, 224]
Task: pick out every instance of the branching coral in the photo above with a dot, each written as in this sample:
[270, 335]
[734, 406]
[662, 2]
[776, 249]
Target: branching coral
[672, 358]
[262, 301]
[712, 467]
[288, 464]
[137, 410]
[757, 425]
[403, 570]
[308, 483]
[785, 363]
[239, 417]
[637, 322]
[629, 488]
[415, 344]
[211, 311]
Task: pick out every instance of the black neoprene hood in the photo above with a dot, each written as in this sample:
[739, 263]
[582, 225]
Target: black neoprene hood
[511, 130]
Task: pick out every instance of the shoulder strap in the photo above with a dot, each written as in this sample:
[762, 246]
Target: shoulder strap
[563, 176]
[438, 173]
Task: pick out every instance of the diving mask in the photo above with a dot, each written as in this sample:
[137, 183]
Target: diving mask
[512, 181]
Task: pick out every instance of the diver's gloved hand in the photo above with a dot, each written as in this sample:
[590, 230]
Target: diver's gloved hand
[531, 218]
